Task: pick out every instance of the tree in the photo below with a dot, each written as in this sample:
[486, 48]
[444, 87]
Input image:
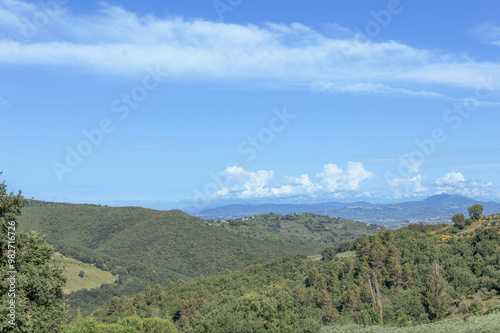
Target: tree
[30, 283]
[475, 211]
[435, 298]
[81, 274]
[459, 220]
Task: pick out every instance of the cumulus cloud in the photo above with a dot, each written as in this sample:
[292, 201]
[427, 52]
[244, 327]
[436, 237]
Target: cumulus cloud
[116, 41]
[335, 179]
[246, 184]
[455, 182]
[451, 183]
[407, 187]
[351, 182]
[333, 182]
[451, 178]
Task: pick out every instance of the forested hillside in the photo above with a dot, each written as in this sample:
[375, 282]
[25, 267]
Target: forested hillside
[292, 228]
[147, 247]
[415, 275]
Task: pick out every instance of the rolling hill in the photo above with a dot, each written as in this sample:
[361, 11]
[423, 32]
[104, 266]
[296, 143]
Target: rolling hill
[318, 230]
[430, 277]
[145, 247]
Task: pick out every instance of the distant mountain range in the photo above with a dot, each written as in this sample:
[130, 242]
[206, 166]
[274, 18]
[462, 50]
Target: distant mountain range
[435, 208]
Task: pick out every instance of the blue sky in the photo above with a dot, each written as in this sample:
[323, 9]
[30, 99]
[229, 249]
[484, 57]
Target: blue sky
[200, 103]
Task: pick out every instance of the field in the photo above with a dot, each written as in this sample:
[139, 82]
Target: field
[93, 278]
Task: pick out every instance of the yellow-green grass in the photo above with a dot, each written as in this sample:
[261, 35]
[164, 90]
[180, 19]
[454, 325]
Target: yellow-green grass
[93, 278]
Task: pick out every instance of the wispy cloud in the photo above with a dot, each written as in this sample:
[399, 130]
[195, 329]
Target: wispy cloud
[488, 32]
[116, 41]
[369, 88]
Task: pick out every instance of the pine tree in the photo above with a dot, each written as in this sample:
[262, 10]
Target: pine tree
[435, 298]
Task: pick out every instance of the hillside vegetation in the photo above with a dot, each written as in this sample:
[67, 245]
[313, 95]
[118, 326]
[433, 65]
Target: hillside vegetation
[147, 247]
[416, 275]
[318, 230]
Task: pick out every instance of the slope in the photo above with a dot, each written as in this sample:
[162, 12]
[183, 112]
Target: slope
[318, 230]
[417, 275]
[176, 244]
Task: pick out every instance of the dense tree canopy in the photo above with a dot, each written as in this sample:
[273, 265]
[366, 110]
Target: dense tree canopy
[475, 211]
[459, 220]
[30, 283]
[414, 275]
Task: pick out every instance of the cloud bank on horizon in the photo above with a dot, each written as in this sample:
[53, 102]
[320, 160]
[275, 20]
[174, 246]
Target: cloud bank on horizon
[338, 184]
[115, 41]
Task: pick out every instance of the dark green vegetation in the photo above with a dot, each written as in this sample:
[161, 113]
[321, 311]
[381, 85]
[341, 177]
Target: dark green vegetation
[319, 231]
[416, 275]
[30, 299]
[147, 247]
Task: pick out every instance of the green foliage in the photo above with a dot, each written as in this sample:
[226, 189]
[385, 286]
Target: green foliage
[391, 278]
[81, 274]
[133, 243]
[306, 229]
[144, 246]
[459, 220]
[37, 285]
[435, 299]
[126, 325]
[475, 211]
[482, 324]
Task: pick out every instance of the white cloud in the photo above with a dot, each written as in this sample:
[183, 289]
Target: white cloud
[450, 183]
[335, 179]
[455, 182]
[334, 182]
[408, 187]
[343, 184]
[116, 41]
[370, 88]
[451, 178]
[246, 184]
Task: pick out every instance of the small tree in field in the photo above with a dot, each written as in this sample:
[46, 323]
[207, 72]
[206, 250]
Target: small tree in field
[475, 211]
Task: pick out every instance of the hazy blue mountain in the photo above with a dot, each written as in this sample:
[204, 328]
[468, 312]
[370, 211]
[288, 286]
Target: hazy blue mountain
[436, 207]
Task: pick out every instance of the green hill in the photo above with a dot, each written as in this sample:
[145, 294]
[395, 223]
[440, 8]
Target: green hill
[307, 227]
[145, 247]
[419, 275]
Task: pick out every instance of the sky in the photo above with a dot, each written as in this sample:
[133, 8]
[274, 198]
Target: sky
[194, 104]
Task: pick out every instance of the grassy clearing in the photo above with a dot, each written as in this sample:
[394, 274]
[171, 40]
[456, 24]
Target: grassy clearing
[482, 324]
[93, 278]
[347, 255]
